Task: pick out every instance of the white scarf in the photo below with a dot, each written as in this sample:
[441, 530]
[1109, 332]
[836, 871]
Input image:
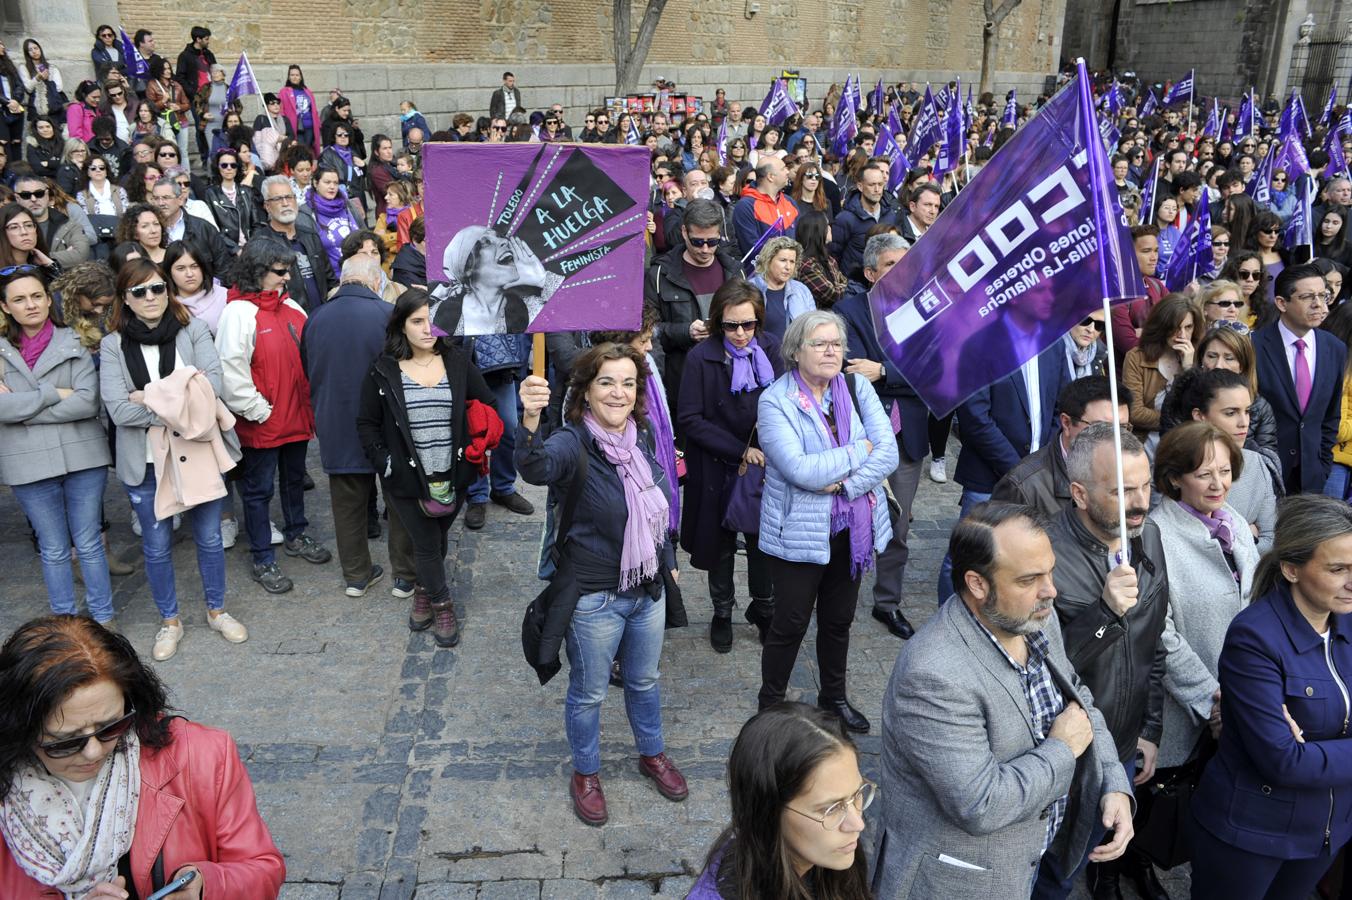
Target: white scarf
[58, 844]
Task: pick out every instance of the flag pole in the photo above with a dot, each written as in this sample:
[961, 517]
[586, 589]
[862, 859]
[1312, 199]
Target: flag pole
[1098, 177]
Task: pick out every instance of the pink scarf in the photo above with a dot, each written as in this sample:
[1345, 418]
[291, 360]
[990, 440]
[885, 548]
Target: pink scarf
[30, 348]
[645, 529]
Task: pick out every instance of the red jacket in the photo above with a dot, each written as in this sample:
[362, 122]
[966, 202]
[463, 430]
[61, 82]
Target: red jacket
[197, 806]
[277, 373]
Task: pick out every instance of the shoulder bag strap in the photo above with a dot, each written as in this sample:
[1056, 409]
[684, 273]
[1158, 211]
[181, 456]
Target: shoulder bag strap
[570, 499]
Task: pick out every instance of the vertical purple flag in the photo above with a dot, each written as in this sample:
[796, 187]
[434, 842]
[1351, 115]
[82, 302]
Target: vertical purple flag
[1300, 228]
[1148, 199]
[845, 123]
[1181, 90]
[777, 105]
[536, 237]
[876, 102]
[954, 137]
[1260, 184]
[241, 83]
[1326, 117]
[722, 144]
[1192, 254]
[1212, 128]
[135, 61]
[925, 128]
[887, 145]
[1030, 247]
[1333, 146]
[631, 135]
[1244, 123]
[1011, 117]
[1150, 104]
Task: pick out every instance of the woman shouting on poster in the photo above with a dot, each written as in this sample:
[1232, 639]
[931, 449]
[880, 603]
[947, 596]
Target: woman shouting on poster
[497, 285]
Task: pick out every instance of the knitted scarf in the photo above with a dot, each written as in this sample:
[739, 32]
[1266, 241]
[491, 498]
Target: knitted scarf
[645, 528]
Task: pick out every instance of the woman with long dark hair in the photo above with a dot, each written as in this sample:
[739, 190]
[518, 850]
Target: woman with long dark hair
[798, 802]
[12, 95]
[167, 97]
[817, 268]
[1265, 239]
[423, 408]
[1330, 236]
[1167, 348]
[44, 147]
[334, 216]
[300, 109]
[1245, 268]
[42, 81]
[234, 206]
[341, 156]
[23, 243]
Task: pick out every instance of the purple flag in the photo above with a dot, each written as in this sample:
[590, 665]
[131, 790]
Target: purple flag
[631, 136]
[894, 122]
[1151, 102]
[1333, 146]
[1244, 123]
[1290, 157]
[1260, 183]
[1029, 248]
[876, 102]
[1212, 128]
[1300, 227]
[887, 146]
[777, 105]
[844, 124]
[954, 138]
[137, 63]
[722, 144]
[926, 130]
[855, 94]
[564, 225]
[241, 83]
[1192, 254]
[969, 110]
[1180, 91]
[1148, 192]
[1011, 117]
[1326, 117]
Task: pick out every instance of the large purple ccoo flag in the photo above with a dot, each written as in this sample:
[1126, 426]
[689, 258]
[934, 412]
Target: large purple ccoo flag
[1181, 90]
[778, 106]
[1029, 248]
[926, 130]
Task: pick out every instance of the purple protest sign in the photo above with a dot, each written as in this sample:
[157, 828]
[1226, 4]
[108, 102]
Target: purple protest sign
[536, 237]
[1013, 263]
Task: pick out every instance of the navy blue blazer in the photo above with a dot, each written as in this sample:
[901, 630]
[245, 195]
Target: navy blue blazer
[893, 388]
[1263, 792]
[995, 424]
[1304, 441]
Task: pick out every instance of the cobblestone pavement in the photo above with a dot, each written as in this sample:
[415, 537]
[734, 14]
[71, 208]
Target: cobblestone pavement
[387, 768]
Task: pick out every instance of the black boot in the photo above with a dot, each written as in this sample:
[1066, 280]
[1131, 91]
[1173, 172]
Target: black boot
[720, 633]
[1104, 882]
[1141, 874]
[761, 613]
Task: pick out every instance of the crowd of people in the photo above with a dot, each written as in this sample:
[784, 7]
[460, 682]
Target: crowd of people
[192, 300]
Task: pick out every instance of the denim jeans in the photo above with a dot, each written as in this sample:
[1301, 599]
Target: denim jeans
[67, 510]
[157, 536]
[501, 477]
[260, 471]
[607, 625]
[1336, 486]
[968, 500]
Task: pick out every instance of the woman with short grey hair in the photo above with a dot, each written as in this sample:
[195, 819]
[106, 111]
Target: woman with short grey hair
[828, 446]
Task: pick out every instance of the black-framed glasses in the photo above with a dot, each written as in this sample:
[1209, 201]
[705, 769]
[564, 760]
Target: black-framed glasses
[834, 815]
[1246, 275]
[1269, 231]
[39, 194]
[499, 128]
[167, 151]
[704, 242]
[1097, 323]
[98, 168]
[280, 273]
[734, 327]
[106, 735]
[141, 291]
[1225, 244]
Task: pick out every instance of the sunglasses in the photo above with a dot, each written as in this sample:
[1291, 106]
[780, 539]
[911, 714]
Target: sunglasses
[98, 168]
[1226, 304]
[168, 154]
[105, 735]
[813, 175]
[281, 273]
[704, 242]
[1249, 276]
[17, 270]
[141, 291]
[499, 127]
[1269, 231]
[39, 194]
[227, 165]
[1220, 244]
[113, 95]
[1090, 320]
[734, 327]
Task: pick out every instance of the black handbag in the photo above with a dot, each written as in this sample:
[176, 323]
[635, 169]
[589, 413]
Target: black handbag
[562, 583]
[1164, 809]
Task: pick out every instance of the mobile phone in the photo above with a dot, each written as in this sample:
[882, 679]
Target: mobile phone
[184, 879]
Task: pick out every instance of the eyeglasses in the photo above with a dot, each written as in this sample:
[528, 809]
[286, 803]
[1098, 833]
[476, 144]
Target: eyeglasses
[281, 198]
[1225, 244]
[105, 735]
[824, 346]
[17, 270]
[734, 327]
[1312, 297]
[499, 127]
[113, 95]
[141, 291]
[1226, 304]
[1246, 275]
[98, 168]
[227, 165]
[280, 273]
[834, 815]
[39, 194]
[1097, 323]
[1269, 231]
[1277, 178]
[704, 242]
[813, 175]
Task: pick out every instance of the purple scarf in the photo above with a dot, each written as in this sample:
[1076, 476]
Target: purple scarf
[856, 514]
[645, 528]
[660, 419]
[751, 368]
[1219, 524]
[343, 153]
[30, 348]
[326, 209]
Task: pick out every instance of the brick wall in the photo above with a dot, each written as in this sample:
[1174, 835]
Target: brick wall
[561, 51]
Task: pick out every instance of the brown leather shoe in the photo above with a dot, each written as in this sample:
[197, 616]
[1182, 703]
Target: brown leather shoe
[445, 629]
[670, 782]
[420, 616]
[589, 804]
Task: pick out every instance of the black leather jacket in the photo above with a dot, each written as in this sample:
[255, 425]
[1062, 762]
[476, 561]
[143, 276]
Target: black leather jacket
[1039, 481]
[1120, 659]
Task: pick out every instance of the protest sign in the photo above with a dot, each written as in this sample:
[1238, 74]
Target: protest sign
[1013, 263]
[532, 237]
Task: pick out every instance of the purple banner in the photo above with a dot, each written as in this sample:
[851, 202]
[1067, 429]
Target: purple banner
[536, 237]
[1013, 263]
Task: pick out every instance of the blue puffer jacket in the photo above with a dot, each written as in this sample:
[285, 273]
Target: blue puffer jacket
[797, 298]
[800, 462]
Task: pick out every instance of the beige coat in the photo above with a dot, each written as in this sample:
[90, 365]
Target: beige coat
[189, 448]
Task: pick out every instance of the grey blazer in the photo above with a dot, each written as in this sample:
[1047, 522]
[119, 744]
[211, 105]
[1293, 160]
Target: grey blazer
[963, 776]
[197, 348]
[43, 435]
[1203, 598]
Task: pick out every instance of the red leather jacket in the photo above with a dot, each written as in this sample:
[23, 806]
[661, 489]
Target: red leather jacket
[197, 807]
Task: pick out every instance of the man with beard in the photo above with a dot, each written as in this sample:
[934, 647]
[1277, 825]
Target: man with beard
[994, 756]
[1111, 601]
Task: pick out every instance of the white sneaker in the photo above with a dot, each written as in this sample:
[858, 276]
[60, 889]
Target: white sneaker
[276, 534]
[229, 532]
[938, 471]
[136, 527]
[229, 627]
[166, 641]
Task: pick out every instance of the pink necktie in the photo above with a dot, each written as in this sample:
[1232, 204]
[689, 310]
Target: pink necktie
[1302, 376]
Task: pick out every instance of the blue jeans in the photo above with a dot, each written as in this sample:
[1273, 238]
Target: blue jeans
[501, 467]
[261, 467]
[606, 624]
[1051, 883]
[157, 537]
[968, 500]
[1336, 486]
[66, 510]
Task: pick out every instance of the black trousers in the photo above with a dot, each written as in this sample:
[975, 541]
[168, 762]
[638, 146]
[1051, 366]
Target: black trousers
[798, 588]
[428, 535]
[759, 580]
[938, 435]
